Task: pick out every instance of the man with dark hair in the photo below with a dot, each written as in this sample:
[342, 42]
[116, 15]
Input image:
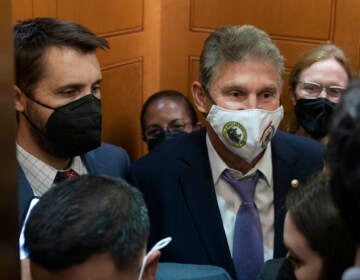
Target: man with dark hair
[166, 115]
[343, 159]
[57, 100]
[90, 227]
[219, 192]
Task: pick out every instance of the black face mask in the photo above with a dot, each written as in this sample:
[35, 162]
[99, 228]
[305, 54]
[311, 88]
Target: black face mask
[314, 115]
[72, 129]
[164, 136]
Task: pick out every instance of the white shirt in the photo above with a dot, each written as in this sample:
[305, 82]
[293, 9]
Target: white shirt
[229, 200]
[40, 175]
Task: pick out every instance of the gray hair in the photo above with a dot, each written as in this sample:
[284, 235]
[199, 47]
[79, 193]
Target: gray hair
[236, 44]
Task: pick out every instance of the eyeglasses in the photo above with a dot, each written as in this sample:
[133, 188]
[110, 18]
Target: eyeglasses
[313, 90]
[153, 131]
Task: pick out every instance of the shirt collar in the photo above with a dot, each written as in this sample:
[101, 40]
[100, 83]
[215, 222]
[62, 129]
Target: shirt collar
[41, 175]
[217, 165]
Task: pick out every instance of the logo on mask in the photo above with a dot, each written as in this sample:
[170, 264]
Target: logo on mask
[235, 134]
[267, 135]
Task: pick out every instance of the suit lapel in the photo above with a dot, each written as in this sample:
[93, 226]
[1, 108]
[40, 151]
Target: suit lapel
[283, 168]
[199, 194]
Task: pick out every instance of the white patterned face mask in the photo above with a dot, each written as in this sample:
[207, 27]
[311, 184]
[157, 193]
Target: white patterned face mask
[159, 245]
[246, 133]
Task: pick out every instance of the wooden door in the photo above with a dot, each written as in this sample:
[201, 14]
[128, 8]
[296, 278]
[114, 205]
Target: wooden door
[9, 259]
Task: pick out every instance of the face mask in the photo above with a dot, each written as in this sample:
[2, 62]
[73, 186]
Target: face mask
[314, 115]
[159, 245]
[164, 136]
[246, 133]
[72, 129]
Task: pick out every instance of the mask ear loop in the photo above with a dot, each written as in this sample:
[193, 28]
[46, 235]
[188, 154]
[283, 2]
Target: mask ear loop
[158, 246]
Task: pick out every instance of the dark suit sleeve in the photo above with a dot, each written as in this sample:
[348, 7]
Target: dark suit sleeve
[270, 269]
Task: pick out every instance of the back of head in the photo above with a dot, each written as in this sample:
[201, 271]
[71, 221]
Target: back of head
[172, 95]
[314, 214]
[33, 37]
[343, 157]
[86, 217]
[237, 44]
[317, 54]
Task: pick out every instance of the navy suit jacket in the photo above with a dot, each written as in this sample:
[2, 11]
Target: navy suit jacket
[176, 181]
[106, 160]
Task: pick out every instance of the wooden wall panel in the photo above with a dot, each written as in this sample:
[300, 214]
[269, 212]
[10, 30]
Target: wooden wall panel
[21, 9]
[9, 258]
[121, 105]
[45, 8]
[347, 29]
[278, 17]
[106, 17]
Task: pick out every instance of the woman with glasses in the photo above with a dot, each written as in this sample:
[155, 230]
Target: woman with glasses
[165, 115]
[317, 82]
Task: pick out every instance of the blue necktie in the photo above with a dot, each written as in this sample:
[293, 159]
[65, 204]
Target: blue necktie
[248, 250]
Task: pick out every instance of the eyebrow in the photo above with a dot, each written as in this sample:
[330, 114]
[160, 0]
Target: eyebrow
[231, 87]
[98, 81]
[269, 88]
[241, 88]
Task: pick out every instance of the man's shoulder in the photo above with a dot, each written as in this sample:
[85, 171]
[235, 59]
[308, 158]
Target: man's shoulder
[108, 160]
[297, 144]
[107, 149]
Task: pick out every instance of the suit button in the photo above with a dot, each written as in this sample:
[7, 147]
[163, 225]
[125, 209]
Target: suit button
[294, 183]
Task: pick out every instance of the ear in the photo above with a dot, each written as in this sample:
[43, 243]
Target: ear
[292, 96]
[201, 100]
[151, 266]
[19, 99]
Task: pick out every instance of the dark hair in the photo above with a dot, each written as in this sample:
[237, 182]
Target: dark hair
[317, 54]
[86, 216]
[172, 95]
[237, 44]
[312, 209]
[34, 36]
[344, 157]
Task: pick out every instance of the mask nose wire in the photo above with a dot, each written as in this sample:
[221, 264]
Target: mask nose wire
[159, 245]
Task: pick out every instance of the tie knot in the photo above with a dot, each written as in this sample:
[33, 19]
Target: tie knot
[245, 187]
[65, 175]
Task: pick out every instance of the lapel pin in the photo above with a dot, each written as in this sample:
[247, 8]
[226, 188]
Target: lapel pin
[294, 183]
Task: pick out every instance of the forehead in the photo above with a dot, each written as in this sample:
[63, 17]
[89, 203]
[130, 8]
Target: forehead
[325, 71]
[62, 65]
[294, 239]
[250, 71]
[165, 110]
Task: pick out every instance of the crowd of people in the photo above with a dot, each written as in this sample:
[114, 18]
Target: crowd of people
[231, 197]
